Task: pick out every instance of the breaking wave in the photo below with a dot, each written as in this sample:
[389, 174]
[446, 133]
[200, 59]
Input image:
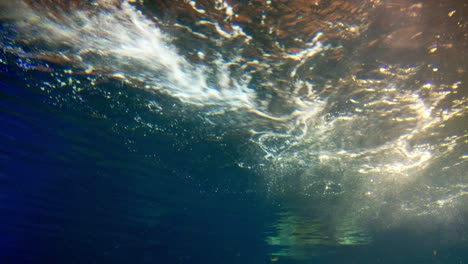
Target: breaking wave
[329, 104]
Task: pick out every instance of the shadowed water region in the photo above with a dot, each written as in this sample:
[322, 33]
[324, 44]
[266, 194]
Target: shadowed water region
[233, 131]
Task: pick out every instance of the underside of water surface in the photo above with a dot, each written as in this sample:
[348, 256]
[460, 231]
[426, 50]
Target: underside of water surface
[236, 131]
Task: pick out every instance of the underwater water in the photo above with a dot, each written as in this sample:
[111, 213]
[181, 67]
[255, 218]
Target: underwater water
[233, 131]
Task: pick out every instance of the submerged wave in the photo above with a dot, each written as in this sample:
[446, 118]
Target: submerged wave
[353, 105]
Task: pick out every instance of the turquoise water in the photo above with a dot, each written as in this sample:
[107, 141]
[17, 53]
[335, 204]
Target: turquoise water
[234, 132]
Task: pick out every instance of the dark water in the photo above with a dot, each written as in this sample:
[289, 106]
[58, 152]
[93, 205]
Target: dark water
[293, 140]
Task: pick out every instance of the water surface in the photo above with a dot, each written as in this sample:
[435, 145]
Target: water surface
[233, 131]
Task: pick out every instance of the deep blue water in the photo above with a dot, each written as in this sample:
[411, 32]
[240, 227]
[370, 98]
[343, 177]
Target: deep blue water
[71, 191]
[98, 176]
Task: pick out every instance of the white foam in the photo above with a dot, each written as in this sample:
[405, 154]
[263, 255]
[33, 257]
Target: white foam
[126, 43]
